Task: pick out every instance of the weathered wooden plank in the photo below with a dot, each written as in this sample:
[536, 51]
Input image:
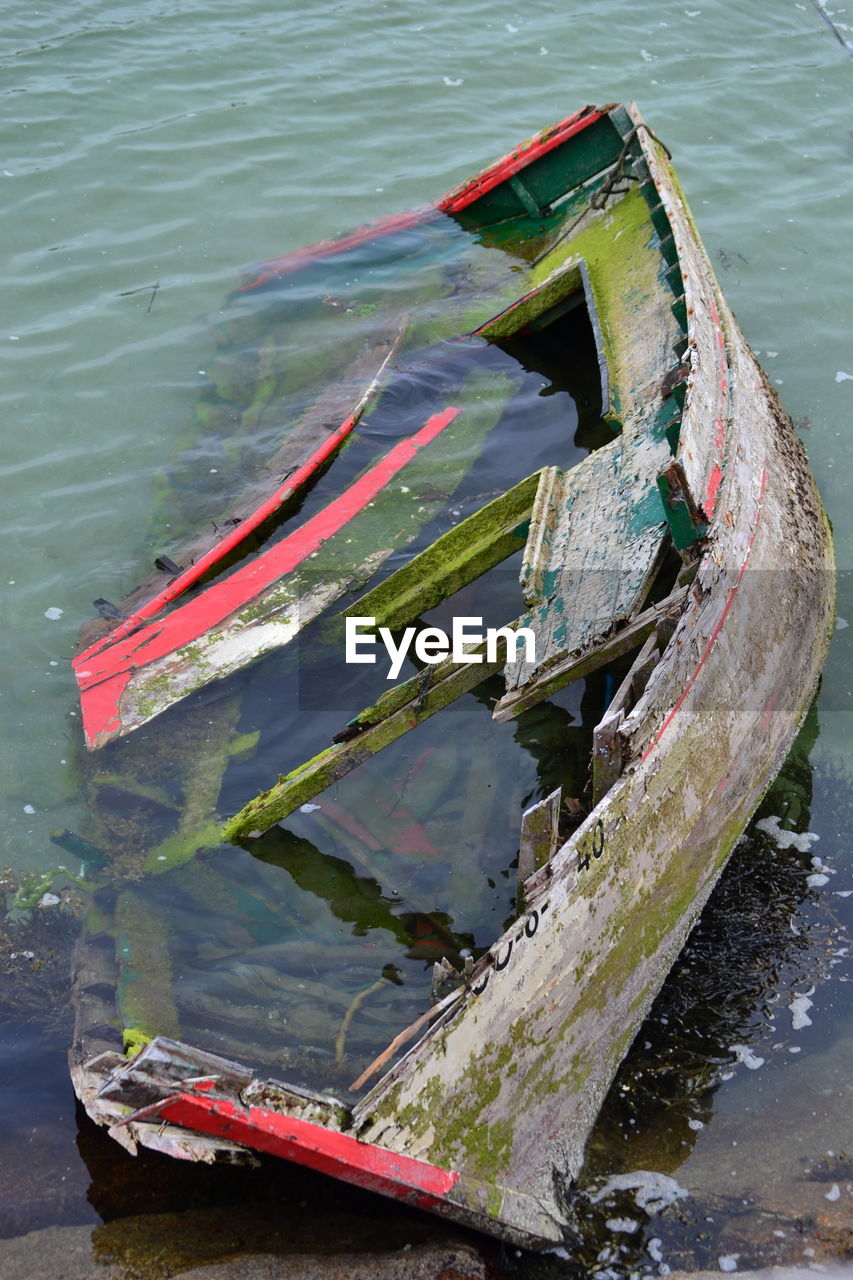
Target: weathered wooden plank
[564, 281]
[706, 424]
[574, 666]
[537, 550]
[607, 757]
[162, 1065]
[597, 534]
[684, 518]
[619, 899]
[413, 702]
[457, 558]
[596, 556]
[550, 169]
[539, 835]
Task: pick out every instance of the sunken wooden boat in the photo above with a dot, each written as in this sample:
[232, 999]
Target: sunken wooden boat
[691, 540]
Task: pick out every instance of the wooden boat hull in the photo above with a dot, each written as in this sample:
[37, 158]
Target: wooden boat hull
[485, 1118]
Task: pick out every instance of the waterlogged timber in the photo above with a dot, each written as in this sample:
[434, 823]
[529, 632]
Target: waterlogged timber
[486, 1115]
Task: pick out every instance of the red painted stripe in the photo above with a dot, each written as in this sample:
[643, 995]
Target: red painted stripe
[716, 475]
[539, 145]
[717, 629]
[714, 482]
[231, 540]
[191, 620]
[99, 707]
[312, 1145]
[291, 262]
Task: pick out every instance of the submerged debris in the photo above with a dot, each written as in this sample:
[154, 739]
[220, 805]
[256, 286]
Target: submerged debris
[36, 943]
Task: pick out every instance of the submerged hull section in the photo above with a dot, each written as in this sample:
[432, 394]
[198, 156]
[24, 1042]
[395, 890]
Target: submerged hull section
[485, 1117]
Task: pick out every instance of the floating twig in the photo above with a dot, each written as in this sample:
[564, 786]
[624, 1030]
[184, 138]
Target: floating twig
[824, 13]
[378, 1063]
[143, 288]
[340, 1042]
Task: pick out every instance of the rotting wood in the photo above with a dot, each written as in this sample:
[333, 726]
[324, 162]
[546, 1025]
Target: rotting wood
[607, 756]
[164, 1064]
[606, 753]
[574, 666]
[549, 1011]
[454, 560]
[683, 516]
[537, 551]
[598, 552]
[597, 533]
[394, 714]
[540, 831]
[622, 894]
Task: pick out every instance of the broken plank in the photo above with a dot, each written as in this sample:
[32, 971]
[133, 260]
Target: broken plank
[575, 666]
[597, 537]
[539, 835]
[543, 520]
[395, 713]
[606, 741]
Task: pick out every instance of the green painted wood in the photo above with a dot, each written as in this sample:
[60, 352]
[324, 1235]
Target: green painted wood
[683, 517]
[594, 547]
[549, 177]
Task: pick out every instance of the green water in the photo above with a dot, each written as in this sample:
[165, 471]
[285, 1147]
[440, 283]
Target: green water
[174, 145]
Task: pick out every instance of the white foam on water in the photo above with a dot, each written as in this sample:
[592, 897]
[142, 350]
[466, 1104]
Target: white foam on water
[744, 1054]
[625, 1225]
[799, 1007]
[802, 841]
[654, 1249]
[653, 1191]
